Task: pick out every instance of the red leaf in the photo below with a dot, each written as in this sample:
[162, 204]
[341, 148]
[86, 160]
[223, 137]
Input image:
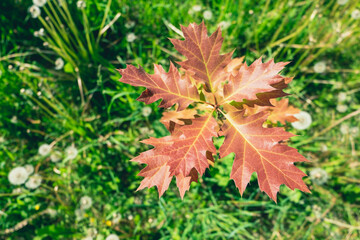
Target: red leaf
[257, 149]
[203, 53]
[171, 87]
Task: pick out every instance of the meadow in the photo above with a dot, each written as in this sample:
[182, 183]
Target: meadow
[68, 127]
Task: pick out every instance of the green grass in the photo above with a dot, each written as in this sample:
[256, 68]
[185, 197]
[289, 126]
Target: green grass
[84, 105]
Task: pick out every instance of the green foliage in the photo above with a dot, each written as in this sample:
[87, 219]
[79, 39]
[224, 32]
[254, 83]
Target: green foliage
[84, 105]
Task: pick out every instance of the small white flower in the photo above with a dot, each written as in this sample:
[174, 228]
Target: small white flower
[81, 4]
[29, 169]
[71, 152]
[2, 139]
[14, 119]
[130, 37]
[342, 96]
[55, 156]
[304, 120]
[342, 2]
[59, 63]
[116, 218]
[207, 15]
[355, 14]
[39, 3]
[85, 202]
[319, 176]
[130, 24]
[28, 92]
[196, 8]
[323, 147]
[34, 181]
[41, 32]
[91, 232]
[224, 24]
[44, 149]
[17, 190]
[344, 128]
[51, 212]
[34, 11]
[341, 108]
[80, 214]
[320, 67]
[112, 237]
[130, 217]
[354, 131]
[18, 176]
[146, 111]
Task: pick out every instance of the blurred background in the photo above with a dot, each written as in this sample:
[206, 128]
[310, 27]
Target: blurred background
[68, 127]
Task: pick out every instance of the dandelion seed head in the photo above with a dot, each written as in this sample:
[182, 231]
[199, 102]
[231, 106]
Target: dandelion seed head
[323, 148]
[304, 120]
[34, 181]
[207, 15]
[55, 156]
[29, 169]
[129, 24]
[14, 119]
[342, 2]
[34, 11]
[71, 152]
[341, 108]
[130, 217]
[59, 63]
[355, 14]
[344, 128]
[39, 3]
[342, 96]
[116, 218]
[146, 111]
[18, 176]
[44, 149]
[112, 237]
[17, 190]
[354, 131]
[79, 214]
[81, 4]
[130, 37]
[85, 202]
[52, 212]
[91, 232]
[224, 24]
[196, 8]
[320, 67]
[319, 176]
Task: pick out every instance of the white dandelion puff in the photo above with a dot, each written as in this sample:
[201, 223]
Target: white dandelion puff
[341, 108]
[207, 15]
[319, 176]
[130, 217]
[29, 169]
[34, 11]
[196, 8]
[320, 67]
[304, 120]
[44, 149]
[342, 2]
[130, 24]
[34, 181]
[224, 24]
[52, 212]
[81, 4]
[18, 176]
[342, 96]
[146, 111]
[344, 128]
[71, 152]
[39, 3]
[79, 214]
[85, 202]
[14, 119]
[91, 232]
[112, 237]
[354, 131]
[55, 156]
[130, 37]
[116, 218]
[59, 63]
[17, 190]
[355, 14]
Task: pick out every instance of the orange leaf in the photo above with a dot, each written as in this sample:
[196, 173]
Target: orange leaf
[257, 149]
